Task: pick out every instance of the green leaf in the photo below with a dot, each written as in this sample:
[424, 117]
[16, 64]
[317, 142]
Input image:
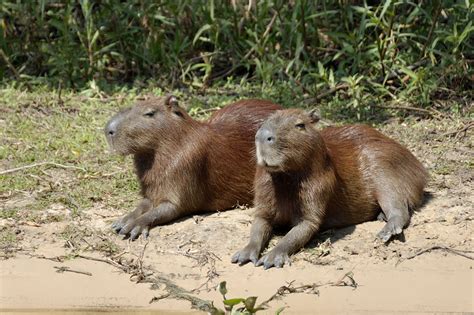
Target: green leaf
[94, 38]
[204, 28]
[222, 288]
[385, 7]
[250, 303]
[211, 9]
[232, 302]
[409, 72]
[331, 78]
[321, 69]
[280, 310]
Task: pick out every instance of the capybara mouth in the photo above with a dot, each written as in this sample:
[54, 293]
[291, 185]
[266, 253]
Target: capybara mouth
[271, 168]
[113, 148]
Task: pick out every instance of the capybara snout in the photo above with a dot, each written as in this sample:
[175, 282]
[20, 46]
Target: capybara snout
[274, 136]
[143, 127]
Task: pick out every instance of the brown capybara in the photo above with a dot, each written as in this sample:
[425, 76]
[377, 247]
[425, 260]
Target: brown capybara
[185, 166]
[313, 180]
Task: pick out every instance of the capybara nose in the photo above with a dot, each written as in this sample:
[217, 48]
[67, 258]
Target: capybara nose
[111, 128]
[265, 136]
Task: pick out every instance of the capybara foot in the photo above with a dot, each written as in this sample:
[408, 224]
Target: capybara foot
[248, 253]
[382, 217]
[275, 258]
[393, 227]
[120, 223]
[134, 228]
[144, 206]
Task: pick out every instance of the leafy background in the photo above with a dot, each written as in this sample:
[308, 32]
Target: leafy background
[356, 55]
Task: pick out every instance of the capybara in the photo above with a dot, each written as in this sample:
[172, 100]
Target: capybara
[185, 166]
[313, 180]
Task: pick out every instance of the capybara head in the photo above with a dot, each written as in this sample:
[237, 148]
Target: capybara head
[143, 127]
[287, 140]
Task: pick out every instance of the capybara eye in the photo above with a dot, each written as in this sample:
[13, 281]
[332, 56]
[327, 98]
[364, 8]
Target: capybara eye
[150, 113]
[300, 126]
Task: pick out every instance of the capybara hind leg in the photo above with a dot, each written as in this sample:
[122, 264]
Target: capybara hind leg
[144, 206]
[397, 217]
[259, 236]
[164, 213]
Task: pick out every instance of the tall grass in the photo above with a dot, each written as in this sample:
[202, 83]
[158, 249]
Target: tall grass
[415, 49]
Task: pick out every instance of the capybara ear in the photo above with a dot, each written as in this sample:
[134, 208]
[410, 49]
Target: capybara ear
[173, 105]
[172, 101]
[314, 115]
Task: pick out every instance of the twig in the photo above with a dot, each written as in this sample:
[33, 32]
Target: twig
[12, 68]
[440, 247]
[396, 73]
[12, 170]
[431, 113]
[64, 269]
[161, 297]
[327, 93]
[456, 133]
[341, 283]
[311, 288]
[430, 33]
[140, 273]
[107, 261]
[289, 289]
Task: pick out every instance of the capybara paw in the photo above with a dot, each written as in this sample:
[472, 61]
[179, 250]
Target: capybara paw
[118, 225]
[392, 228]
[134, 229]
[274, 258]
[245, 255]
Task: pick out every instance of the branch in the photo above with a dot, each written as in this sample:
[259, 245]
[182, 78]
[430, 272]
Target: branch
[12, 170]
[12, 68]
[430, 112]
[439, 247]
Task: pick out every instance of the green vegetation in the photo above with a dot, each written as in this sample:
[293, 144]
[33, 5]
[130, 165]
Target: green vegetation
[356, 55]
[238, 306]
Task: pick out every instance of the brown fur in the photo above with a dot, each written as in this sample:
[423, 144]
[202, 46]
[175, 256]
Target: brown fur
[188, 165]
[311, 180]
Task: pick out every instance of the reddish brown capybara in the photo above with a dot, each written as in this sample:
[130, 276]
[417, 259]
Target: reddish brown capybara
[313, 180]
[185, 166]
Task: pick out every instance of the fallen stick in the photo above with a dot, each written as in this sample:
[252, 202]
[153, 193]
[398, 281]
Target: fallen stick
[456, 133]
[67, 269]
[432, 113]
[439, 247]
[12, 170]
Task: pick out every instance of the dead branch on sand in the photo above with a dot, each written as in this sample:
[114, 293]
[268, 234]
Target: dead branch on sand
[346, 280]
[450, 250]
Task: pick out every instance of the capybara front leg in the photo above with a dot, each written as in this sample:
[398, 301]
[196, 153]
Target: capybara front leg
[295, 239]
[164, 213]
[259, 236]
[144, 206]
